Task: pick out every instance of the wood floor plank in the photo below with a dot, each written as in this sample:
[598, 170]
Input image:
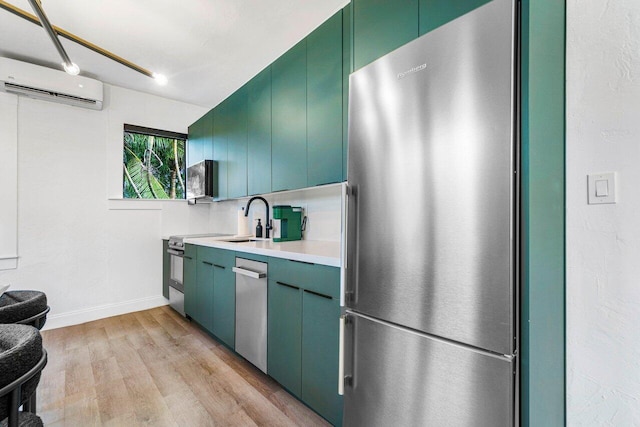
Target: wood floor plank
[106, 370]
[150, 408]
[155, 368]
[114, 402]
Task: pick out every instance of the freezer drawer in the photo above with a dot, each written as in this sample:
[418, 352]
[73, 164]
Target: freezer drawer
[403, 378]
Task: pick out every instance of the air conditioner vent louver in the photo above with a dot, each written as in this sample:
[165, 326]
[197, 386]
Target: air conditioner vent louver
[46, 84]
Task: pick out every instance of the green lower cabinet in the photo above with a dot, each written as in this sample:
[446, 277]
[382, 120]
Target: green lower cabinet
[189, 280]
[224, 296]
[166, 268]
[284, 335]
[304, 313]
[204, 291]
[320, 341]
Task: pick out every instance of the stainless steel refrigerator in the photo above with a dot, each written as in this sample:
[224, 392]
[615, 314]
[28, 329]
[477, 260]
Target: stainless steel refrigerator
[431, 332]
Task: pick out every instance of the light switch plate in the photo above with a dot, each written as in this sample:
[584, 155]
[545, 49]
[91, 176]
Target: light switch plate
[602, 188]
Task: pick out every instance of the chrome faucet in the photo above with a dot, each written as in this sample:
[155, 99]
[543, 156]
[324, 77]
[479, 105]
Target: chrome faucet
[267, 225]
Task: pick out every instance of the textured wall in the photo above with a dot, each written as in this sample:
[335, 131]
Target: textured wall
[603, 242]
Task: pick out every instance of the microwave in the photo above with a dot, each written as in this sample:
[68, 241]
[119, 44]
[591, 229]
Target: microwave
[202, 180]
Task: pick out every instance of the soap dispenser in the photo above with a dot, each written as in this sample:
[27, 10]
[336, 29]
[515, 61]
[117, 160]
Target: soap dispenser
[259, 229]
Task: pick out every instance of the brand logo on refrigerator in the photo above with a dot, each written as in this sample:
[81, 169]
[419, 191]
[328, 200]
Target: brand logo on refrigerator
[411, 71]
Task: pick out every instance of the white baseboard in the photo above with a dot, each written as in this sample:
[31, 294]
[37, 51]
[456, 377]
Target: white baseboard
[60, 320]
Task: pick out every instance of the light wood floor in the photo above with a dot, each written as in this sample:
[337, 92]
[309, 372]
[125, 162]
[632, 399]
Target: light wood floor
[155, 368]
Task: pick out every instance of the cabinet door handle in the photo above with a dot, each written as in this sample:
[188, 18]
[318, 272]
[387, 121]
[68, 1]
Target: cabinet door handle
[207, 262]
[219, 266]
[249, 273]
[187, 257]
[317, 294]
[302, 262]
[288, 286]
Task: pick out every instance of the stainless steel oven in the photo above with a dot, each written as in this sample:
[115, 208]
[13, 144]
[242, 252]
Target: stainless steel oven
[176, 283]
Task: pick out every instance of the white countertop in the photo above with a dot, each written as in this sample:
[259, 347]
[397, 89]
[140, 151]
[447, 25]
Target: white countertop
[314, 251]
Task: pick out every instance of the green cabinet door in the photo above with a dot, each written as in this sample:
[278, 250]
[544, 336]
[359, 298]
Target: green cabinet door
[204, 295]
[189, 281]
[220, 143]
[434, 13]
[237, 144]
[284, 334]
[200, 144]
[320, 335]
[347, 67]
[289, 119]
[324, 103]
[259, 133]
[166, 268]
[380, 26]
[224, 296]
[204, 289]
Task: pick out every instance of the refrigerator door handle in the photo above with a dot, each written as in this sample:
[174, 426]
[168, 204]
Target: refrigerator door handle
[341, 358]
[351, 246]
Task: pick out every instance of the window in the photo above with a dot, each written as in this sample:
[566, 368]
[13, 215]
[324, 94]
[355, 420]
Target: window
[153, 164]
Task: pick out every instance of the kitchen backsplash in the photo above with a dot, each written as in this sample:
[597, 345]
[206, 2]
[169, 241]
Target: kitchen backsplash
[322, 206]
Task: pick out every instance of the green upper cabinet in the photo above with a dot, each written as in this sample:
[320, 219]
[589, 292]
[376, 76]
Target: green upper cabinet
[220, 144]
[324, 103]
[289, 119]
[434, 13]
[347, 67]
[259, 133]
[200, 146]
[237, 144]
[380, 26]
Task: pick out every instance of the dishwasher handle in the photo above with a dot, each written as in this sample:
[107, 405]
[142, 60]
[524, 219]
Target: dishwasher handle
[249, 273]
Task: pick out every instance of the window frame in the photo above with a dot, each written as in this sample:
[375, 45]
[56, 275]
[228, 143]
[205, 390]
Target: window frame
[142, 130]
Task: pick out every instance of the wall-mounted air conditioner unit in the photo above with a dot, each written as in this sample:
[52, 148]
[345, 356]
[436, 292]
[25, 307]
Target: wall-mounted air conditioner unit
[47, 84]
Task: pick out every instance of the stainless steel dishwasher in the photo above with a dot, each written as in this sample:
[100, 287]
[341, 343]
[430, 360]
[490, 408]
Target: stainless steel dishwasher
[251, 311]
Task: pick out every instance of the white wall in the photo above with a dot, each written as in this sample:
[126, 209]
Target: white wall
[603, 241]
[9, 181]
[93, 257]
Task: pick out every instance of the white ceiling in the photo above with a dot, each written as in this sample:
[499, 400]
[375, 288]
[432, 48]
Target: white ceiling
[207, 48]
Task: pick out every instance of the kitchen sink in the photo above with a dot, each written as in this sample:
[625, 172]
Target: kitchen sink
[239, 240]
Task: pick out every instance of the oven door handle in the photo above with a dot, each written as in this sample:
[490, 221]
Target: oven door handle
[174, 252]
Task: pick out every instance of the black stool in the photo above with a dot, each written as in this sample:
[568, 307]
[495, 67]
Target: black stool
[22, 359]
[24, 307]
